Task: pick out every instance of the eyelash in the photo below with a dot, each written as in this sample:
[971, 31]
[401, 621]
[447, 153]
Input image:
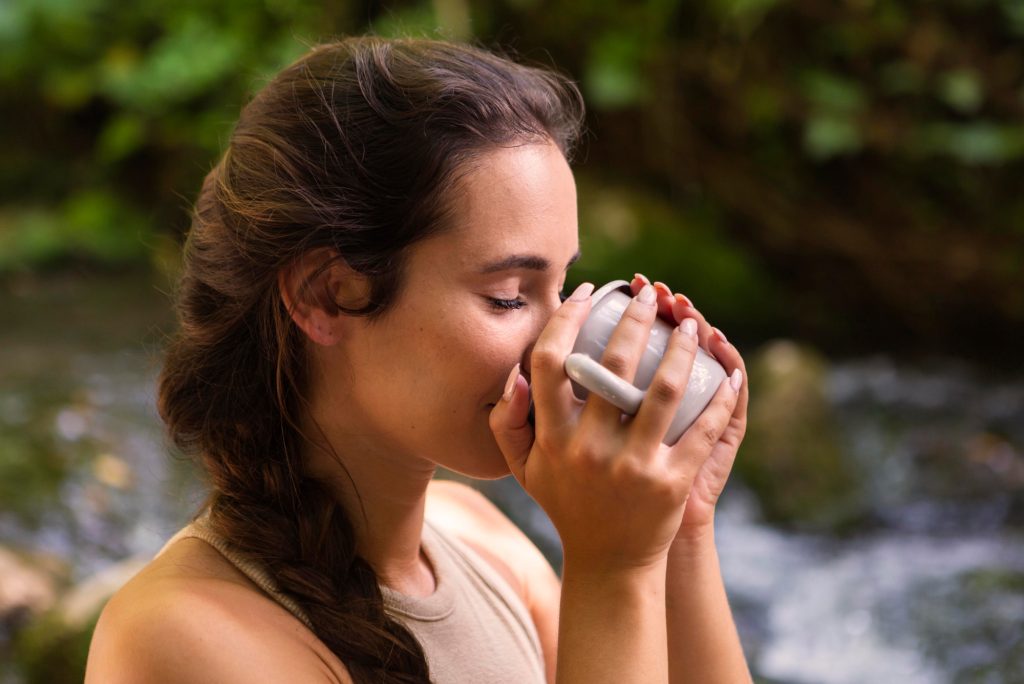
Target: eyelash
[513, 304]
[506, 304]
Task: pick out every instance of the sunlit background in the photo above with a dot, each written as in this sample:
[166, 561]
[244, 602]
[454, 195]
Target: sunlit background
[838, 185]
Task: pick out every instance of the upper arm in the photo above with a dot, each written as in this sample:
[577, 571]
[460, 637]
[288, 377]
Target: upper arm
[181, 633]
[477, 522]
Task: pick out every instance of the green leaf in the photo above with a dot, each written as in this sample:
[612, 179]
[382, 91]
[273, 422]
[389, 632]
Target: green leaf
[962, 90]
[832, 92]
[829, 136]
[614, 73]
[29, 235]
[99, 224]
[974, 143]
[123, 135]
[188, 61]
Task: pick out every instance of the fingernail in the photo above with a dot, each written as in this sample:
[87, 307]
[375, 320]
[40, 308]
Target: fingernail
[663, 288]
[736, 379]
[647, 295]
[642, 278]
[721, 335]
[582, 292]
[689, 327]
[684, 300]
[510, 384]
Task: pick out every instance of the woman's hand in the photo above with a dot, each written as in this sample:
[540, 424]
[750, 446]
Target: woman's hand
[711, 478]
[613, 490]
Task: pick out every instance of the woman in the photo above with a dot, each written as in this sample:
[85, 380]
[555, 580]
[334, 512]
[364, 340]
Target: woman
[386, 237]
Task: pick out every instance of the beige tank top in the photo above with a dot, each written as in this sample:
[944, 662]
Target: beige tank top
[474, 628]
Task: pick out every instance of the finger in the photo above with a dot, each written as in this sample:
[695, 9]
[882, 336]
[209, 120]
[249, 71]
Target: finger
[639, 280]
[508, 421]
[730, 358]
[665, 297]
[696, 444]
[667, 387]
[550, 385]
[682, 308]
[622, 353]
[601, 381]
[665, 300]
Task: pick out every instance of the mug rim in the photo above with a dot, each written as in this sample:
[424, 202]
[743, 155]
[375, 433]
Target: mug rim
[607, 289]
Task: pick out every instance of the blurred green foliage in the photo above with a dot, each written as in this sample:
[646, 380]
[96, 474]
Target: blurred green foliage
[848, 170]
[50, 651]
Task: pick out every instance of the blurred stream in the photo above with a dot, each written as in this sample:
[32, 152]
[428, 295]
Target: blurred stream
[930, 589]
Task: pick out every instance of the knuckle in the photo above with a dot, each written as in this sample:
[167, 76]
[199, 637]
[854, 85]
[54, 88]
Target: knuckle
[587, 455]
[545, 440]
[666, 389]
[615, 361]
[545, 359]
[664, 488]
[707, 431]
[626, 470]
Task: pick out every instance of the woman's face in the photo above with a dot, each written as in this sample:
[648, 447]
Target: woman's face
[421, 380]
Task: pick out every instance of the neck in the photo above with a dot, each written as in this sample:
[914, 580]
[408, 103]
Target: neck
[384, 496]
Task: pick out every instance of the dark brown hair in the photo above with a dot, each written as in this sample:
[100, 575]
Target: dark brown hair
[355, 147]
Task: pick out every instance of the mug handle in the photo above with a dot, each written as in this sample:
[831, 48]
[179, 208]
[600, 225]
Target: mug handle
[602, 382]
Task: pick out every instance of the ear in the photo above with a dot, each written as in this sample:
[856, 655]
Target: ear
[313, 286]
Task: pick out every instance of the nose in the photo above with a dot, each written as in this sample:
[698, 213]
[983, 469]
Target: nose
[539, 326]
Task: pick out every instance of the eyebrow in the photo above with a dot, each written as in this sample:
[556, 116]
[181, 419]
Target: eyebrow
[531, 262]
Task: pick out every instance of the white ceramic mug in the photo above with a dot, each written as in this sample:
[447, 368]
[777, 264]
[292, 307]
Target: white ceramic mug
[583, 365]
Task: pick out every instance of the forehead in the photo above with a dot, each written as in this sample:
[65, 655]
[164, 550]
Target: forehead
[514, 199]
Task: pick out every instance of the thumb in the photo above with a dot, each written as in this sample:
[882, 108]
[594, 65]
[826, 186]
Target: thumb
[508, 421]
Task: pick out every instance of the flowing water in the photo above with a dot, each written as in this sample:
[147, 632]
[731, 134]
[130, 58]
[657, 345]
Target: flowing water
[930, 590]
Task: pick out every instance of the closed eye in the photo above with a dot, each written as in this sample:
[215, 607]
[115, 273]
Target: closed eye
[506, 304]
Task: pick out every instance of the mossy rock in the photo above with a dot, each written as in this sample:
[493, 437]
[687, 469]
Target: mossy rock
[793, 457]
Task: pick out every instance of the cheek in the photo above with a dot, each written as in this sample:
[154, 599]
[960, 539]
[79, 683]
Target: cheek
[503, 342]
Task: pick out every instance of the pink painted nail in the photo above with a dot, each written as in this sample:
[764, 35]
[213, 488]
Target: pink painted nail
[510, 384]
[721, 335]
[582, 292]
[684, 300]
[647, 295]
[642, 278]
[736, 380]
[689, 327]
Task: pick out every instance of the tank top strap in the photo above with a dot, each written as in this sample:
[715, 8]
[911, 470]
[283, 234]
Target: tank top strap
[463, 577]
[199, 529]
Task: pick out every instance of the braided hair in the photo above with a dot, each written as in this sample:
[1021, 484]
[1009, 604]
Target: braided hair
[354, 147]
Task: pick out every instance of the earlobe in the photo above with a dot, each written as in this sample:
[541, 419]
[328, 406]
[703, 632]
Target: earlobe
[311, 288]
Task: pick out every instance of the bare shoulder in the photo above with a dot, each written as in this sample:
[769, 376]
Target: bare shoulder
[186, 618]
